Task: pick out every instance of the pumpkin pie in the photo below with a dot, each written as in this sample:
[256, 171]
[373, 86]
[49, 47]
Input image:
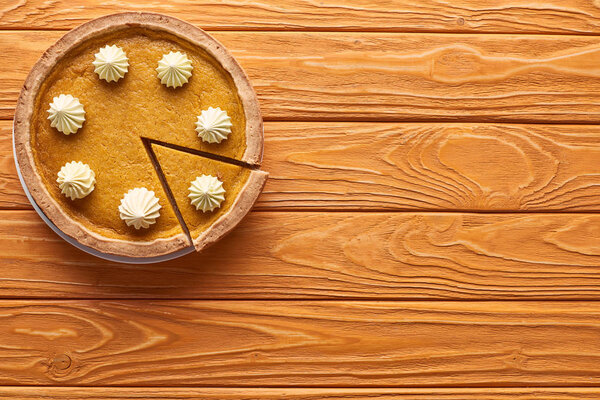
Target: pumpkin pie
[182, 170]
[108, 96]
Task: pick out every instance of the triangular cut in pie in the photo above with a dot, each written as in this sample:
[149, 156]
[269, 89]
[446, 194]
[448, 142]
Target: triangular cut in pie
[241, 185]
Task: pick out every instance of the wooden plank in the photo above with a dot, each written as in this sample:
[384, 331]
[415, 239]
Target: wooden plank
[11, 192]
[429, 166]
[121, 393]
[328, 255]
[389, 76]
[411, 167]
[283, 343]
[542, 16]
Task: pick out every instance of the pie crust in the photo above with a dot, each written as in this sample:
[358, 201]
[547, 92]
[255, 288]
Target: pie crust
[53, 210]
[243, 203]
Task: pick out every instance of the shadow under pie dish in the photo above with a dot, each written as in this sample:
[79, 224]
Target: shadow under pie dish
[109, 95]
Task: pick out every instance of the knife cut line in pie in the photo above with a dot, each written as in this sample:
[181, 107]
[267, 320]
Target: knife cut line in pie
[166, 188]
[201, 153]
[118, 114]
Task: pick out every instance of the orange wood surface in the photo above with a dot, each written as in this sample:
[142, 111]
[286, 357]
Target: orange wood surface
[350, 76]
[519, 16]
[352, 255]
[211, 393]
[299, 343]
[430, 228]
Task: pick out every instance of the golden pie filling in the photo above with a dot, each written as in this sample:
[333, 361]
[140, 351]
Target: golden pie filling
[119, 114]
[177, 166]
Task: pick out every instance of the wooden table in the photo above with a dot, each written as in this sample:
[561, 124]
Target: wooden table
[430, 229]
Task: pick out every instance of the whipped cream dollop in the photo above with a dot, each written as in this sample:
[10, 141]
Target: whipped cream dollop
[76, 180]
[174, 69]
[139, 207]
[66, 114]
[206, 193]
[111, 63]
[213, 125]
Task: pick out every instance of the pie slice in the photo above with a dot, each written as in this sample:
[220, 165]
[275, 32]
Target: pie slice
[97, 96]
[242, 186]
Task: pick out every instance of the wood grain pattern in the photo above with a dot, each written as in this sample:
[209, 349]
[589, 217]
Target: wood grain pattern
[447, 106]
[411, 167]
[389, 76]
[118, 393]
[556, 16]
[432, 167]
[328, 255]
[289, 344]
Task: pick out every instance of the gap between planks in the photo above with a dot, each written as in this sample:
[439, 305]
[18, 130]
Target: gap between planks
[367, 31]
[343, 32]
[391, 120]
[290, 392]
[324, 300]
